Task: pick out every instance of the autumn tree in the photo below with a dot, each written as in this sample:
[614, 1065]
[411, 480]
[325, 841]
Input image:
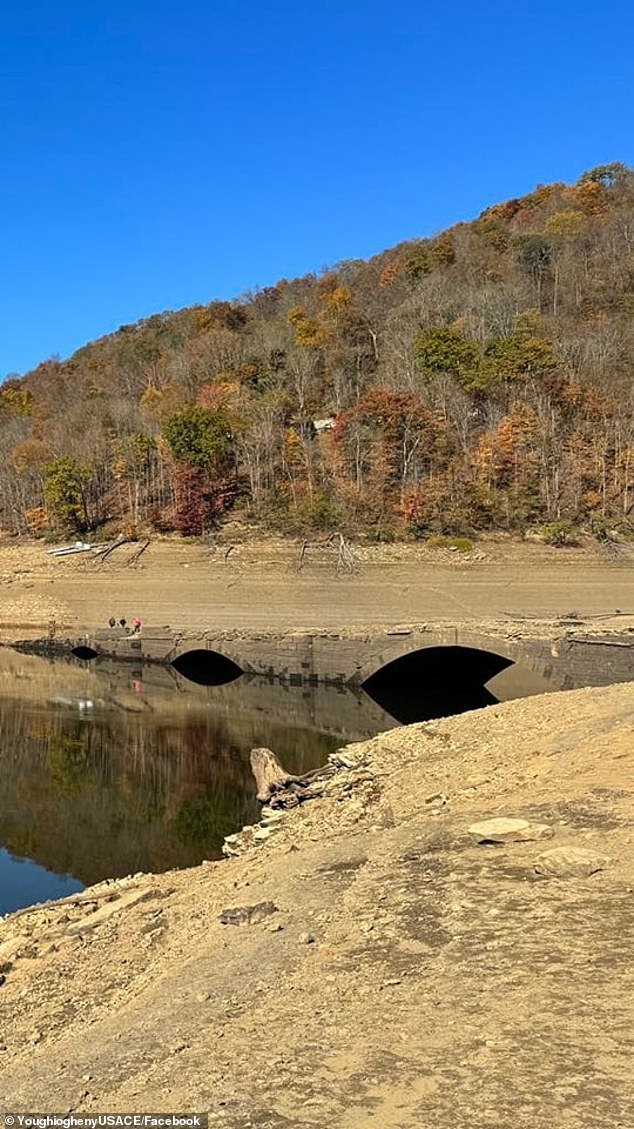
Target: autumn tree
[521, 357]
[478, 377]
[386, 443]
[535, 258]
[203, 480]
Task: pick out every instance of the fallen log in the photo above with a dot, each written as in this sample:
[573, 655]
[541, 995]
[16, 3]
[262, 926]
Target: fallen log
[101, 555]
[139, 553]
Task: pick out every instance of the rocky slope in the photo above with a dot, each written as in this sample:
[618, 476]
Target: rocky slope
[366, 960]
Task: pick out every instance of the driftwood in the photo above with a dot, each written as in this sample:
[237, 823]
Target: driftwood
[269, 775]
[135, 556]
[277, 787]
[345, 557]
[101, 555]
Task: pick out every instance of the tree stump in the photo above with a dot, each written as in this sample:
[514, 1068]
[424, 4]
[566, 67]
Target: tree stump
[269, 775]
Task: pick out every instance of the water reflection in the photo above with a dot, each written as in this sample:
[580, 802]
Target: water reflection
[108, 769]
[23, 882]
[105, 772]
[207, 668]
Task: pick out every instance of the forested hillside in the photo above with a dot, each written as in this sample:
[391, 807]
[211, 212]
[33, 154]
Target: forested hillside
[479, 379]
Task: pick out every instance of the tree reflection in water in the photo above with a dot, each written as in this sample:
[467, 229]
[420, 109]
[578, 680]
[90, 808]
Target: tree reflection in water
[108, 791]
[108, 769]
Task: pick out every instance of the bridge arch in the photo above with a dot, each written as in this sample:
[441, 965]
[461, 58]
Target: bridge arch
[84, 651]
[206, 666]
[391, 649]
[436, 681]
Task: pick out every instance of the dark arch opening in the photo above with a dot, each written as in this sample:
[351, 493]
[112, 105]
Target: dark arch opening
[207, 668]
[82, 652]
[435, 682]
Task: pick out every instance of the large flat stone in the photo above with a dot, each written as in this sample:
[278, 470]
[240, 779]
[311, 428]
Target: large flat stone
[503, 830]
[570, 862]
[126, 901]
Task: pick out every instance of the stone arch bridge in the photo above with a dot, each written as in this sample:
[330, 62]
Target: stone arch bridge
[565, 658]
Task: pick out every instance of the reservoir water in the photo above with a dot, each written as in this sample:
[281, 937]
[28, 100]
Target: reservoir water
[109, 769]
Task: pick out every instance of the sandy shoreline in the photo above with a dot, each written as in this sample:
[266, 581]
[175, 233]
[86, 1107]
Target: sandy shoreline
[258, 588]
[405, 977]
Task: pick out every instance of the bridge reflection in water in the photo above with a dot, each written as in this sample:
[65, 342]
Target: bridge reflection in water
[424, 684]
[441, 681]
[109, 768]
[207, 668]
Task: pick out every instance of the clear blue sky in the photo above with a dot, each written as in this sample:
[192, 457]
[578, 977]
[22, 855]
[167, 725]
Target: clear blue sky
[156, 154]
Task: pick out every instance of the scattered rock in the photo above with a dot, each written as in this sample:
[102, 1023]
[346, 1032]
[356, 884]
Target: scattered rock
[476, 781]
[306, 939]
[155, 934]
[263, 833]
[570, 862]
[272, 816]
[126, 901]
[232, 845]
[247, 915]
[11, 948]
[346, 759]
[155, 923]
[502, 830]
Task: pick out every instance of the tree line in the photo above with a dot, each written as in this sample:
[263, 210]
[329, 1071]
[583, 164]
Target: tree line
[480, 379]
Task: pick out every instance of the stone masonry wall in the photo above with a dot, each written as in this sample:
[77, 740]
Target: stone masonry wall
[332, 660]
